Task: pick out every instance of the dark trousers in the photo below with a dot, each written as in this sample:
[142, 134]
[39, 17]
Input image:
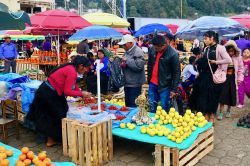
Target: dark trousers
[8, 64]
[131, 93]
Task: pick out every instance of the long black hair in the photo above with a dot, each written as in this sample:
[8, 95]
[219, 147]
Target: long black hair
[212, 34]
[77, 61]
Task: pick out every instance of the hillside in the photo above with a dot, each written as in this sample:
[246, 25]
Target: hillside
[171, 8]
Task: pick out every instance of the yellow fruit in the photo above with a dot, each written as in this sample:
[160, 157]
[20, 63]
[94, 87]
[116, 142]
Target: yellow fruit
[172, 110]
[170, 137]
[175, 121]
[184, 124]
[176, 114]
[192, 115]
[165, 121]
[160, 133]
[166, 132]
[157, 117]
[193, 128]
[128, 124]
[158, 112]
[159, 108]
[152, 133]
[164, 113]
[131, 127]
[175, 125]
[162, 117]
[181, 119]
[188, 111]
[181, 132]
[173, 138]
[171, 114]
[199, 114]
[151, 125]
[200, 125]
[143, 130]
[179, 140]
[170, 120]
[122, 125]
[177, 134]
[167, 117]
[160, 122]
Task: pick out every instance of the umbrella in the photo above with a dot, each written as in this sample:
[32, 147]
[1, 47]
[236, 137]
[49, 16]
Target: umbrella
[25, 37]
[123, 31]
[54, 21]
[11, 32]
[173, 27]
[197, 28]
[96, 32]
[151, 28]
[12, 21]
[243, 19]
[106, 19]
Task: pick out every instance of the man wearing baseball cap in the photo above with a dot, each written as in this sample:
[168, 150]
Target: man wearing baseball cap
[133, 69]
[8, 53]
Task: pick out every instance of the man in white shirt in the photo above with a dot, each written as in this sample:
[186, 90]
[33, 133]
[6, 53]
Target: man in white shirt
[189, 73]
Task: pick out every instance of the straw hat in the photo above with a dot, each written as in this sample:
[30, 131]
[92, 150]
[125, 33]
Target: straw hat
[6, 36]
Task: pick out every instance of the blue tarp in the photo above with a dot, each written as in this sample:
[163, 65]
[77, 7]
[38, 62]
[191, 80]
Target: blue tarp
[17, 153]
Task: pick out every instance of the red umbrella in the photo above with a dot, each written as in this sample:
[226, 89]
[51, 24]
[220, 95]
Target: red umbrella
[173, 27]
[53, 20]
[243, 19]
[123, 31]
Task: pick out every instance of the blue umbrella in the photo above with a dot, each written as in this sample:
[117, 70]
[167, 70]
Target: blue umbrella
[152, 28]
[96, 32]
[197, 28]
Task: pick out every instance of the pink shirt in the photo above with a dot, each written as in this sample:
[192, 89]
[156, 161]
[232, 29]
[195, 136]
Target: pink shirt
[64, 81]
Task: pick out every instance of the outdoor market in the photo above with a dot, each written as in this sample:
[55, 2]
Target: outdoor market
[91, 91]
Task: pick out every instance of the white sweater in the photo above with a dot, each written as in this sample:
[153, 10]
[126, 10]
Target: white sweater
[188, 71]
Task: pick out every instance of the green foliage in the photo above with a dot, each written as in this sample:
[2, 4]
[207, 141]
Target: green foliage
[172, 8]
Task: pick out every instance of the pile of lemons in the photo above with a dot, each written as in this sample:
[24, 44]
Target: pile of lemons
[119, 102]
[130, 126]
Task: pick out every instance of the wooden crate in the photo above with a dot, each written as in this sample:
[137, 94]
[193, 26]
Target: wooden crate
[88, 144]
[188, 157]
[24, 66]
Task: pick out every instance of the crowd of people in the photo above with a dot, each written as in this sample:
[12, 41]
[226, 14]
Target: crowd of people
[214, 77]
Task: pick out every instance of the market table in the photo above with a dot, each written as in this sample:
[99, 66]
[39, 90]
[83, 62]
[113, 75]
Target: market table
[17, 152]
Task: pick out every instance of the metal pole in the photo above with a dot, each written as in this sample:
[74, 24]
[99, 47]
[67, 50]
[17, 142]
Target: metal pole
[181, 9]
[124, 9]
[98, 68]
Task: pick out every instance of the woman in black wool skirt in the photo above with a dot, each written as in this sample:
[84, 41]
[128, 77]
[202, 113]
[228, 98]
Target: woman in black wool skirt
[234, 78]
[205, 95]
[49, 106]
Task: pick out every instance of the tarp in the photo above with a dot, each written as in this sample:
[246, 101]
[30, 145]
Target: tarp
[137, 136]
[17, 153]
[106, 19]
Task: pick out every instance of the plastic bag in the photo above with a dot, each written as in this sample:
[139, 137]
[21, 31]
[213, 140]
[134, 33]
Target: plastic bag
[117, 78]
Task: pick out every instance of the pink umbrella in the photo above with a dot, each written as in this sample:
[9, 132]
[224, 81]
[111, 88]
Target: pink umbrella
[123, 31]
[243, 19]
[54, 21]
[173, 27]
[17, 32]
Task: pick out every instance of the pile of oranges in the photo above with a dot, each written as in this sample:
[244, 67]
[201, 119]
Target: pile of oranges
[4, 154]
[27, 158]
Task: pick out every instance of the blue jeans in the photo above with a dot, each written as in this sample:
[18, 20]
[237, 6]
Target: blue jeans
[131, 93]
[154, 96]
[188, 82]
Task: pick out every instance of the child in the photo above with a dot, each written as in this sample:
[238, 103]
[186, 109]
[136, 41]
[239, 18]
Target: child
[234, 78]
[189, 73]
[244, 87]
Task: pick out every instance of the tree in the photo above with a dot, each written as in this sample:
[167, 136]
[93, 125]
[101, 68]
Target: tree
[133, 11]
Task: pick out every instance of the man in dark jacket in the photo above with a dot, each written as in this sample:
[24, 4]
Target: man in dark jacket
[163, 73]
[133, 69]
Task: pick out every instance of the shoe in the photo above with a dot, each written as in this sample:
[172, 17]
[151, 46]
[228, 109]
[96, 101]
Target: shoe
[240, 106]
[228, 115]
[220, 116]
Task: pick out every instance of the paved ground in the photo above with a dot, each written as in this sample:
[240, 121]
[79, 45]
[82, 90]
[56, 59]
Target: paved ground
[232, 147]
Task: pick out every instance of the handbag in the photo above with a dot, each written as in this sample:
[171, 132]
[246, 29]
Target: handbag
[219, 76]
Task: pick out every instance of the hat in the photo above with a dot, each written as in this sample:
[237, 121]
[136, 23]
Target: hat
[6, 36]
[126, 39]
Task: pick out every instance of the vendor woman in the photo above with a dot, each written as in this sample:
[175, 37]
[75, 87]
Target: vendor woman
[49, 106]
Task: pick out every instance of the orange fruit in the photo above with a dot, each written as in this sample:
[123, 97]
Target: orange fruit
[30, 155]
[25, 150]
[27, 162]
[2, 149]
[9, 153]
[35, 160]
[19, 163]
[40, 163]
[42, 156]
[22, 157]
[47, 161]
[51, 165]
[3, 156]
[5, 162]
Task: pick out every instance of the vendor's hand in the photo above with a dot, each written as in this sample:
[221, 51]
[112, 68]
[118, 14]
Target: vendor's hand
[172, 94]
[212, 61]
[86, 94]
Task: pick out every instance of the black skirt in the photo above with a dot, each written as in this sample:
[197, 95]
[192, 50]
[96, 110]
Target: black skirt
[228, 94]
[47, 110]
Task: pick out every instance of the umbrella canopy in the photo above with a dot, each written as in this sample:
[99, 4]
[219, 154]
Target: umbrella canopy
[123, 31]
[25, 37]
[12, 21]
[106, 19]
[173, 27]
[11, 32]
[96, 32]
[197, 28]
[243, 19]
[54, 21]
[151, 28]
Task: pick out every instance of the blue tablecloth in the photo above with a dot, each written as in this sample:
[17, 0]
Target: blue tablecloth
[137, 136]
[17, 152]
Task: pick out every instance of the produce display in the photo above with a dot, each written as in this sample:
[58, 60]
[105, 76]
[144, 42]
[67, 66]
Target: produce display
[119, 102]
[4, 154]
[31, 72]
[244, 121]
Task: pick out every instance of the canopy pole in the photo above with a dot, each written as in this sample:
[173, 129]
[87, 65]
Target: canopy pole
[98, 68]
[58, 49]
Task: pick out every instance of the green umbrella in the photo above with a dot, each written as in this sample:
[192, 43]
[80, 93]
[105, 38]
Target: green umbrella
[12, 21]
